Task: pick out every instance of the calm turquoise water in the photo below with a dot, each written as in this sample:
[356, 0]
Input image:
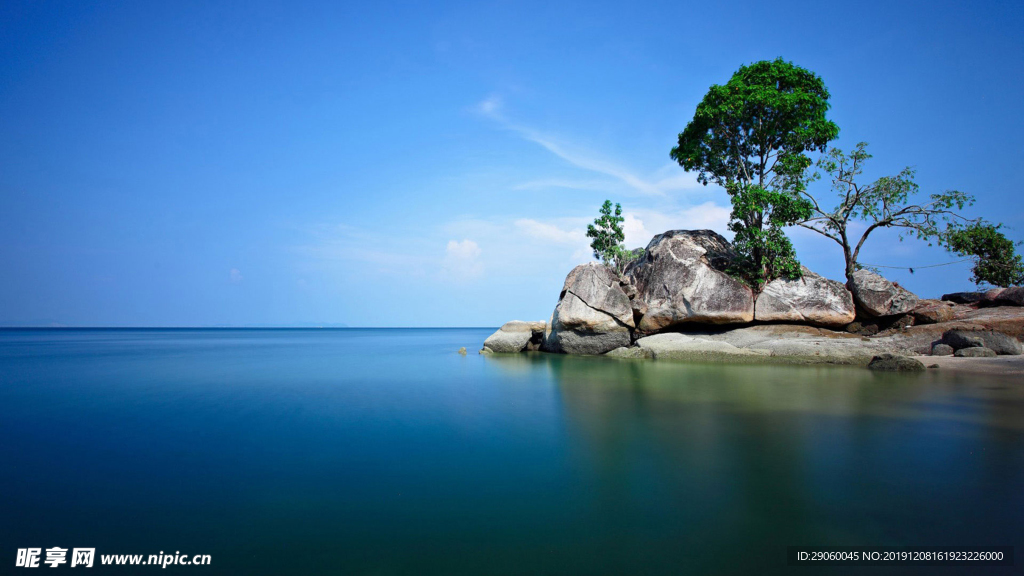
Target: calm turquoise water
[385, 452]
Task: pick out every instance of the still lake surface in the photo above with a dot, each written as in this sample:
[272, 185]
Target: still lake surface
[383, 451]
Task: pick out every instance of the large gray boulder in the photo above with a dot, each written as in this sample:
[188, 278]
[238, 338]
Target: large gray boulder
[593, 314]
[681, 279]
[811, 299]
[997, 341]
[877, 296]
[959, 339]
[516, 336]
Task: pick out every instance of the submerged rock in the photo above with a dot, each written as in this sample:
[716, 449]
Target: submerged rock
[877, 296]
[895, 363]
[681, 279]
[593, 315]
[811, 299]
[630, 352]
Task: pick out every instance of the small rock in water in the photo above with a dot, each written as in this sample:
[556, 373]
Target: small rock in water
[895, 363]
[462, 350]
[933, 365]
[975, 353]
[486, 350]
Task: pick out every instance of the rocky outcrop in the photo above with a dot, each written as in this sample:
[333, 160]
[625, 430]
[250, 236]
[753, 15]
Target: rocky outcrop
[998, 342]
[678, 302]
[895, 363]
[1011, 296]
[1008, 320]
[675, 346]
[933, 311]
[964, 297]
[593, 314]
[681, 279]
[769, 343]
[516, 336]
[876, 296]
[811, 299]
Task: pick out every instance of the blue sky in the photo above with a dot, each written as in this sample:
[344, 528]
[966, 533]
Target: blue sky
[435, 164]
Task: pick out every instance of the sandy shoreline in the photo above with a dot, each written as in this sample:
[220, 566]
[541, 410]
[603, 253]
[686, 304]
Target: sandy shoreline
[998, 366]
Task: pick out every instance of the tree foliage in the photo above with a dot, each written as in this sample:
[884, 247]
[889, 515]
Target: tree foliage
[607, 235]
[751, 136]
[995, 262]
[885, 203]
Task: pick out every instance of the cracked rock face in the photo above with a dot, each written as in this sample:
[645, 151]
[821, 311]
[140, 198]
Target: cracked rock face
[811, 299]
[681, 279]
[878, 297]
[593, 314]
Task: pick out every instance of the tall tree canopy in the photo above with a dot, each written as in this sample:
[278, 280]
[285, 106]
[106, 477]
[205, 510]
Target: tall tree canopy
[995, 260]
[751, 136]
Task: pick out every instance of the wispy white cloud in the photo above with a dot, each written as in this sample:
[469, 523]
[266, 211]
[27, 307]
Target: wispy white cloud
[462, 260]
[550, 232]
[641, 225]
[235, 275]
[660, 185]
[595, 185]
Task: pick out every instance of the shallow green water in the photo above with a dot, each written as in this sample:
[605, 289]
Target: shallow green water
[385, 452]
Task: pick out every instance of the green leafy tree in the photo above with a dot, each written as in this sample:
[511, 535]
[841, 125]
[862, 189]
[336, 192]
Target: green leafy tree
[885, 203]
[751, 136]
[607, 235]
[995, 261]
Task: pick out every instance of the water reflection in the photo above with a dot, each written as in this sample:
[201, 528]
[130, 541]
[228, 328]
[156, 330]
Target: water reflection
[715, 458]
[386, 452]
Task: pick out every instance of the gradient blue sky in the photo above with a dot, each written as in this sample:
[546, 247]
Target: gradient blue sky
[435, 164]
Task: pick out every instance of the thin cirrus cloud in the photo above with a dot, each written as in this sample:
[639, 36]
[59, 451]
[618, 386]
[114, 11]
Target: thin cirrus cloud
[462, 259]
[660, 185]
